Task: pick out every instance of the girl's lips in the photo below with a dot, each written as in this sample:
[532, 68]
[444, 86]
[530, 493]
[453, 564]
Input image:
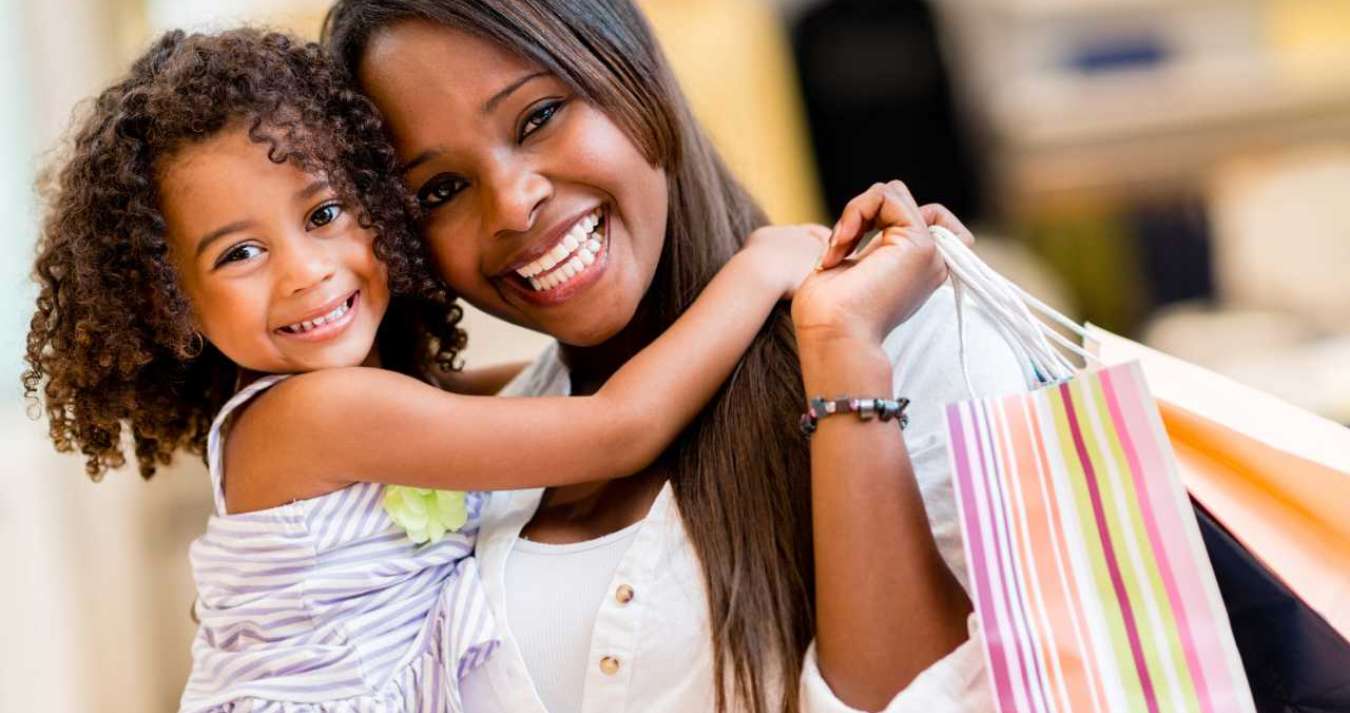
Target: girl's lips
[328, 330]
[566, 291]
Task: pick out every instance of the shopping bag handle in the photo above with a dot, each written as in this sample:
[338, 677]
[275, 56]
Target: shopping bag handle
[1023, 320]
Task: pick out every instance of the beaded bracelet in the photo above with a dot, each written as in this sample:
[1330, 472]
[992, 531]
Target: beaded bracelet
[882, 409]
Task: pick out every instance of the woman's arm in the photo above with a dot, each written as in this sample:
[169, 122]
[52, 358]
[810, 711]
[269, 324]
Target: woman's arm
[887, 606]
[319, 431]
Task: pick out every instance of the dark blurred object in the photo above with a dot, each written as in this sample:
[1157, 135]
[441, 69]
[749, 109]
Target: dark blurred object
[1295, 661]
[1117, 53]
[1174, 247]
[879, 103]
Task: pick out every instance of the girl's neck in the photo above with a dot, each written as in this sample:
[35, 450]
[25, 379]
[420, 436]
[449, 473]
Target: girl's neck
[248, 376]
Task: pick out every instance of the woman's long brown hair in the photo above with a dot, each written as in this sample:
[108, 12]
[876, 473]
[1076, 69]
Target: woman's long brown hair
[742, 473]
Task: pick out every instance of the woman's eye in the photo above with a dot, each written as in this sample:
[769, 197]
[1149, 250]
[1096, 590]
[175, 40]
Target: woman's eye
[324, 215]
[540, 117]
[239, 253]
[439, 190]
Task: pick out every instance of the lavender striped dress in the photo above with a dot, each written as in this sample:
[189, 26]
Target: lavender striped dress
[324, 605]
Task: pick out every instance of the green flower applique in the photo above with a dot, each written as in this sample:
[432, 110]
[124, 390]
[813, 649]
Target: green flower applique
[425, 514]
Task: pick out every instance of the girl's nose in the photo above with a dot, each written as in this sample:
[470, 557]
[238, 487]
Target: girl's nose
[306, 264]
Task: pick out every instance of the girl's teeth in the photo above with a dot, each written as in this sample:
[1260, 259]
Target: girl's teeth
[586, 256]
[308, 324]
[593, 245]
[571, 243]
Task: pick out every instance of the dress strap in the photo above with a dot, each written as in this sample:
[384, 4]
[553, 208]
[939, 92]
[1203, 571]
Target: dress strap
[215, 442]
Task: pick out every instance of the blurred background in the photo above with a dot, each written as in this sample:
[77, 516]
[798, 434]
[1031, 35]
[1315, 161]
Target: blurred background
[1174, 170]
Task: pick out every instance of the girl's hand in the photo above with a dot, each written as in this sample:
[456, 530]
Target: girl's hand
[862, 298]
[785, 254]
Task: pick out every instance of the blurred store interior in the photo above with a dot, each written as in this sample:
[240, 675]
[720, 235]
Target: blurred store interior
[1177, 171]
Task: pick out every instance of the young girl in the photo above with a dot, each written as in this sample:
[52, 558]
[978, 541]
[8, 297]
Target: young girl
[226, 254]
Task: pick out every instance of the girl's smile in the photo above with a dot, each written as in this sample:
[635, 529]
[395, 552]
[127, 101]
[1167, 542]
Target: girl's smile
[326, 322]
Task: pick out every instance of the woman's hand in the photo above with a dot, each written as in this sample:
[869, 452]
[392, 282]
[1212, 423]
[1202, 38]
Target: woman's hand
[862, 298]
[785, 254]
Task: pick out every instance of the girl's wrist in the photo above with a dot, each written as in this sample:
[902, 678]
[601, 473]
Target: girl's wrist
[746, 266]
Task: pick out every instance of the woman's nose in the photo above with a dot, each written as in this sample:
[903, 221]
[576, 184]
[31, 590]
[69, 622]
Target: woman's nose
[513, 199]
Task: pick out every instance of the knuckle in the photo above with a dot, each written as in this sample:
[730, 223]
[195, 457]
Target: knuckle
[898, 186]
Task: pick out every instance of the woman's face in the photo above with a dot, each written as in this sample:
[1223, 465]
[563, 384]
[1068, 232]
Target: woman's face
[538, 208]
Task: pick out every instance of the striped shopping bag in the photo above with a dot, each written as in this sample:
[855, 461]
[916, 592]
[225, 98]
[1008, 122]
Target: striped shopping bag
[1087, 568]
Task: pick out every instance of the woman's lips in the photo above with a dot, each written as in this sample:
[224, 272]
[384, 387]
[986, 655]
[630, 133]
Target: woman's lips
[574, 285]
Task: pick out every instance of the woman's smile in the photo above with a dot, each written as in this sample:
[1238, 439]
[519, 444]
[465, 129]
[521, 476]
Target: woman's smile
[537, 207]
[571, 259]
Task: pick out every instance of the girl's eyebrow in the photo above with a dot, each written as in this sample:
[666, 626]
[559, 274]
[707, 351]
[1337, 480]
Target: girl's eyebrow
[309, 191]
[303, 194]
[221, 232]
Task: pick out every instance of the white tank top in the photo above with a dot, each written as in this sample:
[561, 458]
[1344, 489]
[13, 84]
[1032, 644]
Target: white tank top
[555, 637]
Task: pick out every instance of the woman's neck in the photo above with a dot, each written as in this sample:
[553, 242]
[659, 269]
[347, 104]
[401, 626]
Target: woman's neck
[585, 511]
[590, 367]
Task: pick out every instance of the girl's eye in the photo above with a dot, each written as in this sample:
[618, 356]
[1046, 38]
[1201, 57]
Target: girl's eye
[539, 118]
[439, 189]
[324, 215]
[239, 253]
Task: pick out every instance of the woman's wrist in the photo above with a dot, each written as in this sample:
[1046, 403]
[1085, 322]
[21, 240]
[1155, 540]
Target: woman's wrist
[835, 365]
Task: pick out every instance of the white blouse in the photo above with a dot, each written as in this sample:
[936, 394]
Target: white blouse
[553, 633]
[650, 647]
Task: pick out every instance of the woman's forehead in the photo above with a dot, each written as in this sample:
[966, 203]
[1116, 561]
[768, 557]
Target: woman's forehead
[420, 55]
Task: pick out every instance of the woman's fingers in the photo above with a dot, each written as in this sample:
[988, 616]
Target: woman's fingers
[884, 205]
[936, 214]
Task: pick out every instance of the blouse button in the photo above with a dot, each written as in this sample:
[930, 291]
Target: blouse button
[609, 665]
[623, 594]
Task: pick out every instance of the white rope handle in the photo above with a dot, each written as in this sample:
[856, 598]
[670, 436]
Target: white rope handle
[1022, 319]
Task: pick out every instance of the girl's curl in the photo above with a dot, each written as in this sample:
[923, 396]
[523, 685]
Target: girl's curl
[112, 340]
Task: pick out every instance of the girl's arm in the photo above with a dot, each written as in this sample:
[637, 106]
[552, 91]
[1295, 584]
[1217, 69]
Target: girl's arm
[322, 430]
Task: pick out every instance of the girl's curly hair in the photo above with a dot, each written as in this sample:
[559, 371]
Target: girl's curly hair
[111, 341]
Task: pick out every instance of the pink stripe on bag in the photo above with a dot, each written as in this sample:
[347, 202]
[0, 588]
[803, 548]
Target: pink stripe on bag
[1109, 551]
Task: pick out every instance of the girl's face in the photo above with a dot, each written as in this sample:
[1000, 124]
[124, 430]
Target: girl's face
[280, 275]
[538, 208]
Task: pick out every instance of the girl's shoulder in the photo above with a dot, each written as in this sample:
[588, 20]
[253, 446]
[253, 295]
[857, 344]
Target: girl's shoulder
[254, 430]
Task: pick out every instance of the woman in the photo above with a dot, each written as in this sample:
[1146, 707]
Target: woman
[700, 583]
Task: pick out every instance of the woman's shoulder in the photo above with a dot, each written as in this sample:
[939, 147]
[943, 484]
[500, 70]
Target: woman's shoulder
[545, 376]
[930, 350]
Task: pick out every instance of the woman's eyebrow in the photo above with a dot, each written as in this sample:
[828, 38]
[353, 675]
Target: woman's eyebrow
[488, 106]
[418, 160]
[497, 98]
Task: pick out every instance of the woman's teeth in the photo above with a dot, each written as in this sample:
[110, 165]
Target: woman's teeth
[569, 257]
[308, 324]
